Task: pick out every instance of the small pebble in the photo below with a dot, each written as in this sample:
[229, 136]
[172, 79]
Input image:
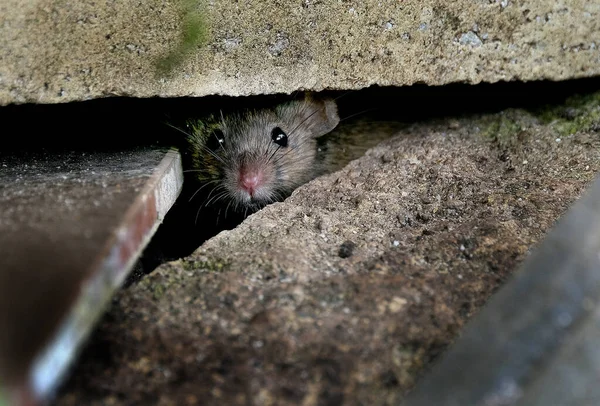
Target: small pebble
[346, 249]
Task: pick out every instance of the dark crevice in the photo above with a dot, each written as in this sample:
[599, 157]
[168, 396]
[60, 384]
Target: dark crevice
[179, 236]
[127, 123]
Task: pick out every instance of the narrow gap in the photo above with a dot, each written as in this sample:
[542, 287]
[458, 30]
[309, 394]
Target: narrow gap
[122, 123]
[379, 107]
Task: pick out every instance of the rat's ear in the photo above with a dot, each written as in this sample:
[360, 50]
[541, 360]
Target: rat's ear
[320, 115]
[325, 114]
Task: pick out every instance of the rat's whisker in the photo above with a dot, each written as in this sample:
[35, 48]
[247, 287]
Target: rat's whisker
[178, 129]
[273, 154]
[209, 195]
[227, 208]
[193, 170]
[213, 154]
[197, 214]
[357, 114]
[343, 95]
[202, 187]
[216, 198]
[303, 121]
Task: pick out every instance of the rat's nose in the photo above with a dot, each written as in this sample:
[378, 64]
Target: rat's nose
[251, 180]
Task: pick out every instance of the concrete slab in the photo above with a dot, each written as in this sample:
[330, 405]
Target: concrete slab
[71, 227]
[56, 50]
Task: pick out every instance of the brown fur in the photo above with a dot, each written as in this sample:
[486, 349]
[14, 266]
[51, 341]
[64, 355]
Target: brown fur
[247, 142]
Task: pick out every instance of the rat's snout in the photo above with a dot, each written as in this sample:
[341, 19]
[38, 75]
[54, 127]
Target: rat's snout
[251, 179]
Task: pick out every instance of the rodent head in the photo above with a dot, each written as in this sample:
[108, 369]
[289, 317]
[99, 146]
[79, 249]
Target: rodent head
[254, 158]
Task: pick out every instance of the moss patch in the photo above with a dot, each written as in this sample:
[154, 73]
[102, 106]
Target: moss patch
[504, 128]
[578, 113]
[159, 285]
[194, 33]
[209, 266]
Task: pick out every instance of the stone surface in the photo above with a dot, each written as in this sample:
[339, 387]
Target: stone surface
[347, 292]
[534, 343]
[57, 50]
[71, 227]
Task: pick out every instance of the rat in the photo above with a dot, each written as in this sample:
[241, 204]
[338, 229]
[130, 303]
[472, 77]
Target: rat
[237, 163]
[246, 160]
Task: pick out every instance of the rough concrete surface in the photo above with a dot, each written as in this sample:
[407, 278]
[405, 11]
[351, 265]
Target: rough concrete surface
[534, 342]
[347, 292]
[62, 50]
[71, 227]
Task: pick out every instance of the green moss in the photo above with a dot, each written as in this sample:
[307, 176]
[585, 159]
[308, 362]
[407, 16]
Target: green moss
[504, 127]
[578, 113]
[158, 290]
[188, 265]
[158, 286]
[194, 33]
[3, 400]
[203, 128]
[208, 266]
[203, 162]
[214, 266]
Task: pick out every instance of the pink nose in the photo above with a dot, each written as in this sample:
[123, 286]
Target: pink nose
[250, 181]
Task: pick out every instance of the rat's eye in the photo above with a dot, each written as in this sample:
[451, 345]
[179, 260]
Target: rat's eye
[215, 140]
[279, 137]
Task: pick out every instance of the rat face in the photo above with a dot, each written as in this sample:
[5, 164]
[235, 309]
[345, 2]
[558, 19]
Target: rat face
[257, 157]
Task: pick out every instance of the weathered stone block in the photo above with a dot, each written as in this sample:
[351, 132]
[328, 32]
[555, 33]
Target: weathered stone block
[59, 50]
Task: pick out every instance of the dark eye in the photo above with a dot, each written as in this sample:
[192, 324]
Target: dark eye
[215, 140]
[279, 137]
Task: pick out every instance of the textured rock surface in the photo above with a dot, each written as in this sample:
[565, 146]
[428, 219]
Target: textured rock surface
[348, 290]
[60, 50]
[71, 226]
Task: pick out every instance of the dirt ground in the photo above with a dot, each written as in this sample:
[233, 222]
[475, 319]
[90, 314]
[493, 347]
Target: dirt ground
[348, 291]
